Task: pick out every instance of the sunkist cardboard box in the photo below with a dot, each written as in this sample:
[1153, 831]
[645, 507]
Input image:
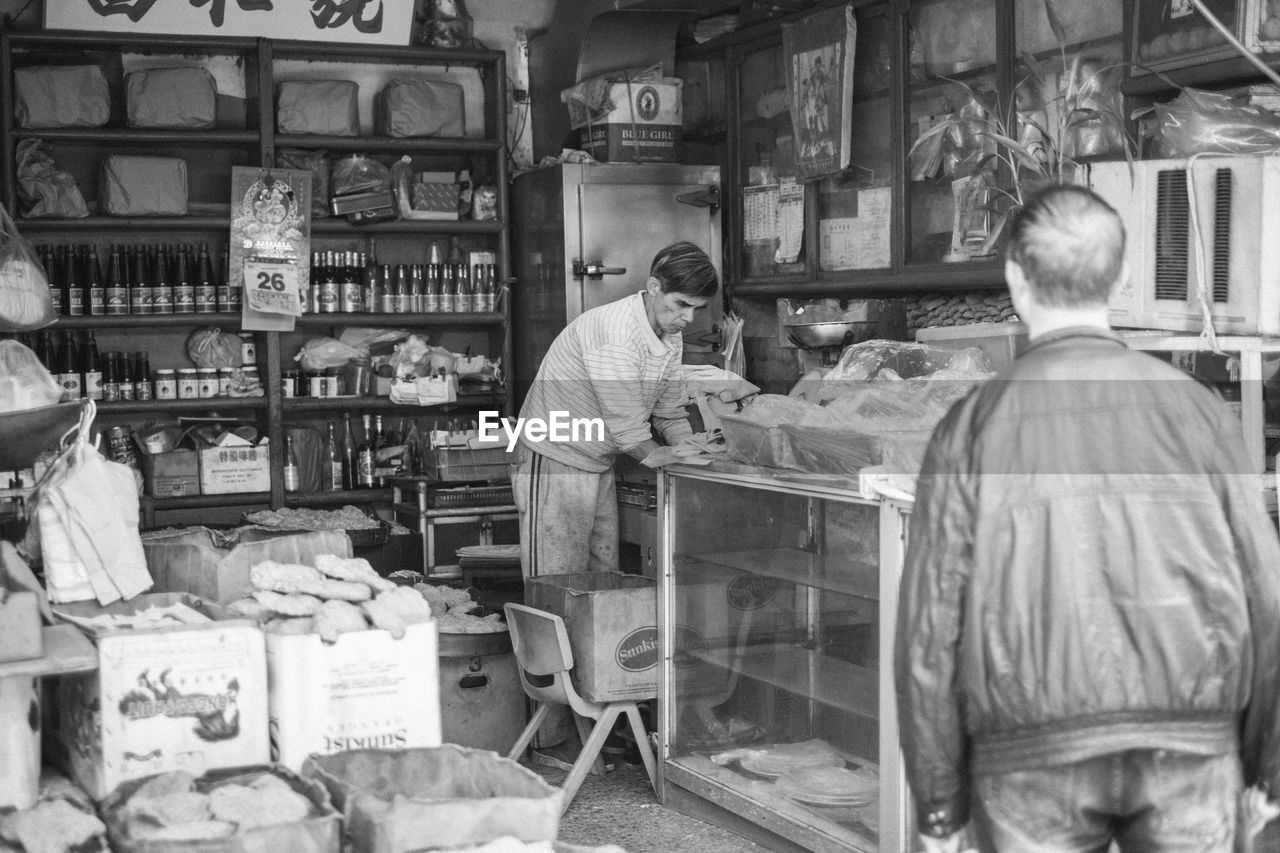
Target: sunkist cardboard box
[368, 690]
[612, 623]
[179, 697]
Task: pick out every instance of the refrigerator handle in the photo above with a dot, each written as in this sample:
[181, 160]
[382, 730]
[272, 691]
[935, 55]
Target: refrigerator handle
[708, 197]
[594, 270]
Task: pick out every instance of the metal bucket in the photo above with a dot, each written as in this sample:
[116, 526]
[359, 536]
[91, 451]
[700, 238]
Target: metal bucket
[482, 704]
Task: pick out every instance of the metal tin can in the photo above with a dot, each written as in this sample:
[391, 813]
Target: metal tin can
[224, 381]
[289, 383]
[120, 446]
[208, 382]
[331, 382]
[188, 383]
[317, 386]
[166, 384]
[248, 349]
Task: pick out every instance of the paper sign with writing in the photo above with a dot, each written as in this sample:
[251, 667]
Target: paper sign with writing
[270, 243]
[272, 288]
[346, 21]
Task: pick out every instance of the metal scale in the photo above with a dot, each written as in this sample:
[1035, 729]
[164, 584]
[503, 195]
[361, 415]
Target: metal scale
[819, 344]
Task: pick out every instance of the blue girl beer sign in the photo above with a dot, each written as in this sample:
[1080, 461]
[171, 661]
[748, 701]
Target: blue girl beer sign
[347, 21]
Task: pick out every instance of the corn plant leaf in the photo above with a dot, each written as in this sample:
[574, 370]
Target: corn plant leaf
[1055, 23]
[1034, 68]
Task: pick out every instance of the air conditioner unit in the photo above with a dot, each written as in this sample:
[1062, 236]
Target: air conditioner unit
[1232, 244]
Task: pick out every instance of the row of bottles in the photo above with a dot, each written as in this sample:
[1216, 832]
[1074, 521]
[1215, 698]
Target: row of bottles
[381, 453]
[84, 373]
[353, 282]
[139, 279]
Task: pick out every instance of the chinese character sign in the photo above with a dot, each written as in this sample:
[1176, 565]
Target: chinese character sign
[347, 21]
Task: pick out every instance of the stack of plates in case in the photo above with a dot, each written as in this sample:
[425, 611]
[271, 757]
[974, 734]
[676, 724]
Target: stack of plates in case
[777, 760]
[830, 786]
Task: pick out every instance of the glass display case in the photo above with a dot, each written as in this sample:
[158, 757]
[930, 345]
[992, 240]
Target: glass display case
[776, 615]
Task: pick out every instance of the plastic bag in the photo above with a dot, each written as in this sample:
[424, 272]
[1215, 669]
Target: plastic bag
[43, 188]
[319, 353]
[366, 339]
[24, 383]
[408, 356]
[358, 174]
[1199, 122]
[209, 347]
[316, 162]
[25, 303]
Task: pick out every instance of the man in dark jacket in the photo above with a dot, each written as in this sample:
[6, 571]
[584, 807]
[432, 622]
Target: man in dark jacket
[1088, 640]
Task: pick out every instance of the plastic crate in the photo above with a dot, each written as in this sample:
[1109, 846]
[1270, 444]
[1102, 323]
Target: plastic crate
[466, 463]
[645, 497]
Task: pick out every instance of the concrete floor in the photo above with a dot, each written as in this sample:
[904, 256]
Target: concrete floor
[620, 808]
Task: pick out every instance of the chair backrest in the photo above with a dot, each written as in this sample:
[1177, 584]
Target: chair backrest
[539, 639]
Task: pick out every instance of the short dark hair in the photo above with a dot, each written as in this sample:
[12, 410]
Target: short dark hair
[684, 268]
[1070, 244]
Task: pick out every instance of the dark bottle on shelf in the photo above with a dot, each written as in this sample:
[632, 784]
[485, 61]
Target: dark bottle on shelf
[411, 445]
[184, 291]
[162, 290]
[231, 289]
[117, 288]
[366, 457]
[91, 368]
[124, 376]
[68, 372]
[74, 284]
[350, 469]
[57, 291]
[206, 287]
[350, 297]
[96, 292]
[47, 351]
[332, 473]
[143, 389]
[111, 377]
[140, 301]
[328, 289]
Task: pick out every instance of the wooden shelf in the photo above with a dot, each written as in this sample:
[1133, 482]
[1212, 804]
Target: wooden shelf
[384, 404]
[974, 275]
[128, 223]
[354, 496]
[409, 226]
[434, 318]
[1220, 72]
[139, 136]
[203, 501]
[222, 319]
[832, 573]
[445, 145]
[206, 405]
[339, 52]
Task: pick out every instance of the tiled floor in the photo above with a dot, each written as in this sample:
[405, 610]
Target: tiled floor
[620, 808]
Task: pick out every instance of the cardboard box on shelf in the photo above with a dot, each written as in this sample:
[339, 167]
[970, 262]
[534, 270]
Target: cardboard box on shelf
[179, 697]
[227, 470]
[366, 691]
[214, 564]
[641, 123]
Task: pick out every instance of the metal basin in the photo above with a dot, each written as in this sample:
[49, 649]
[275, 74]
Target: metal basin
[829, 334]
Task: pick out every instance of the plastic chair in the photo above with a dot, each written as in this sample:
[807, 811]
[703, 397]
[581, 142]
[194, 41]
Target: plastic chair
[544, 659]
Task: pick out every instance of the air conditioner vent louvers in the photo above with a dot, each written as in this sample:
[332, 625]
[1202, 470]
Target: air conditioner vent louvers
[1172, 228]
[1222, 235]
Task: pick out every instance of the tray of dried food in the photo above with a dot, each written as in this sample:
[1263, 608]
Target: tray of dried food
[364, 528]
[831, 786]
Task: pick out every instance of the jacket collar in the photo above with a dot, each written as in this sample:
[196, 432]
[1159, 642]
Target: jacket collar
[1074, 332]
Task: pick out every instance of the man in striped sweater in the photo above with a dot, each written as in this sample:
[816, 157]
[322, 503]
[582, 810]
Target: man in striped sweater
[618, 367]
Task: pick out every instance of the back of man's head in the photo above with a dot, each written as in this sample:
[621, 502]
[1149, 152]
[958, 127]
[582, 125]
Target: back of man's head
[1069, 244]
[684, 268]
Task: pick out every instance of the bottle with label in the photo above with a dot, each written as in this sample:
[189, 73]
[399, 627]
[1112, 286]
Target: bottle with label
[366, 456]
[91, 368]
[328, 290]
[124, 375]
[206, 286]
[47, 351]
[142, 387]
[68, 372]
[431, 302]
[139, 285]
[110, 378]
[292, 476]
[386, 300]
[382, 447]
[462, 302]
[370, 289]
[95, 292]
[412, 443]
[333, 462]
[184, 290]
[117, 289]
[75, 289]
[233, 285]
[349, 289]
[494, 286]
[161, 283]
[57, 293]
[400, 298]
[350, 471]
[448, 288]
[417, 289]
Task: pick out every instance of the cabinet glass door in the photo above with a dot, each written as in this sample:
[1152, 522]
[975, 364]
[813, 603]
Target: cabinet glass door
[854, 207]
[774, 685]
[951, 106]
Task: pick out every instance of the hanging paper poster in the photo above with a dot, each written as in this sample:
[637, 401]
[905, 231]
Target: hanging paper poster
[270, 244]
[819, 57]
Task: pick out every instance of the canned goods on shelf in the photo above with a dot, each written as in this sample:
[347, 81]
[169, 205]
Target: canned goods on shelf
[188, 383]
[166, 384]
[289, 383]
[208, 382]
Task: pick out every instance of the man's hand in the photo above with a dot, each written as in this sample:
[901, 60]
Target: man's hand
[950, 844]
[1256, 811]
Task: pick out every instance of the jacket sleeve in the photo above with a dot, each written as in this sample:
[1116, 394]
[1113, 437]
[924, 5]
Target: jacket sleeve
[930, 613]
[1258, 551]
[670, 417]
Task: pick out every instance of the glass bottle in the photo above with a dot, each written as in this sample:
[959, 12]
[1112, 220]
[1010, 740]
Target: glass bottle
[431, 303]
[73, 283]
[97, 293]
[206, 288]
[142, 386]
[47, 351]
[124, 376]
[365, 456]
[162, 296]
[57, 292]
[370, 290]
[139, 288]
[411, 442]
[110, 378]
[386, 301]
[292, 477]
[91, 368]
[417, 290]
[448, 287]
[184, 291]
[462, 303]
[350, 471]
[333, 482]
[349, 293]
[379, 448]
[68, 372]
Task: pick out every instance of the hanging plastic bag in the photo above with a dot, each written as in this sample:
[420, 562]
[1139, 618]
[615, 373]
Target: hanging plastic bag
[1199, 122]
[320, 353]
[211, 347]
[25, 304]
[24, 382]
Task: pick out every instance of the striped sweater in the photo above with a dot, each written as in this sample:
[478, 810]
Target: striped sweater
[609, 364]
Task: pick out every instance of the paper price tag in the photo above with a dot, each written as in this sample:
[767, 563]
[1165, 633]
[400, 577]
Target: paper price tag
[272, 288]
